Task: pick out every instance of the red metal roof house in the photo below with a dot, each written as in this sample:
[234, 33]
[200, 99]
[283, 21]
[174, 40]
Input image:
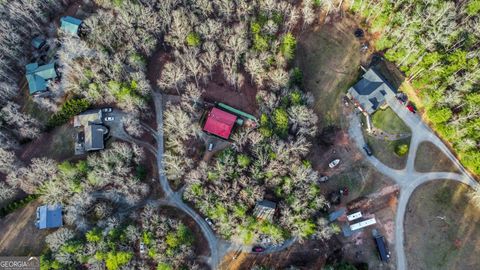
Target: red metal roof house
[219, 123]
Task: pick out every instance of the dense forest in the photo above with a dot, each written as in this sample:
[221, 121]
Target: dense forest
[436, 43]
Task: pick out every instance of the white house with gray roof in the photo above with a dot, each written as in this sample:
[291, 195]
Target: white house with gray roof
[370, 92]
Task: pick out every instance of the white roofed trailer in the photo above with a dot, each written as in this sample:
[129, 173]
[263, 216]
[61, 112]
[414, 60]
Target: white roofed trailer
[362, 224]
[354, 216]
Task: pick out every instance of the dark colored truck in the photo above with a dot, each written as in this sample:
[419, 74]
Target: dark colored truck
[382, 248]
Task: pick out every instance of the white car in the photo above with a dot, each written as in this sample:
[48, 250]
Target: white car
[334, 163]
[142, 248]
[209, 222]
[109, 118]
[106, 110]
[323, 178]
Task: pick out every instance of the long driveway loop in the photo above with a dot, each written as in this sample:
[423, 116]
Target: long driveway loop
[408, 179]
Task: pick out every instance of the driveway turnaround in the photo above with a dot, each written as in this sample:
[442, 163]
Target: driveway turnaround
[408, 179]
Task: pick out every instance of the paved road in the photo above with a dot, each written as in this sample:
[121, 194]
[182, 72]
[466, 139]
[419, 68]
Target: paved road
[408, 179]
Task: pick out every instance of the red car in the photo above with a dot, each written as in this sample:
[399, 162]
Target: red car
[258, 249]
[411, 108]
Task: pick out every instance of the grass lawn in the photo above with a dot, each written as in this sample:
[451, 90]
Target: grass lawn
[329, 57]
[361, 180]
[388, 121]
[425, 163]
[442, 228]
[384, 151]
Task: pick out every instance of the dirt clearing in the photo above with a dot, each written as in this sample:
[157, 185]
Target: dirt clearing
[219, 90]
[442, 228]
[58, 144]
[424, 161]
[19, 236]
[309, 255]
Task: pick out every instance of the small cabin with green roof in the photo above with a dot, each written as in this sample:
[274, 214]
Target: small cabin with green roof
[38, 42]
[38, 76]
[70, 25]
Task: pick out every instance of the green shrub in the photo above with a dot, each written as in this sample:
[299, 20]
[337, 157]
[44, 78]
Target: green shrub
[317, 3]
[141, 172]
[296, 77]
[473, 7]
[94, 235]
[243, 160]
[164, 266]
[193, 39]
[260, 43]
[439, 115]
[296, 98]
[69, 109]
[288, 45]
[401, 149]
[11, 207]
[115, 260]
[280, 121]
[266, 132]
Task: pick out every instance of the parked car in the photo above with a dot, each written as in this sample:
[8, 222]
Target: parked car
[109, 119]
[402, 98]
[367, 149]
[209, 222]
[258, 249]
[142, 248]
[358, 33]
[344, 191]
[323, 178]
[210, 147]
[334, 163]
[364, 47]
[107, 110]
[411, 108]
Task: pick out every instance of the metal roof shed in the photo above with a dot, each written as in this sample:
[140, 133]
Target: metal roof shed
[38, 42]
[219, 123]
[70, 25]
[265, 210]
[49, 216]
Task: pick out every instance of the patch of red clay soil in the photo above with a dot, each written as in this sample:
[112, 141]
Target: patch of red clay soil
[219, 90]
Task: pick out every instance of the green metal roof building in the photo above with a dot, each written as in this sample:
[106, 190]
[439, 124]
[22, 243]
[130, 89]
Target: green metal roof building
[38, 42]
[70, 25]
[37, 76]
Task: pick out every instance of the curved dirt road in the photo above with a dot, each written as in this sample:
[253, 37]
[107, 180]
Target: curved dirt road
[175, 198]
[408, 179]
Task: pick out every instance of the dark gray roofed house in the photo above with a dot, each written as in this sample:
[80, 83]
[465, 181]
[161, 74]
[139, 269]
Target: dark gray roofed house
[264, 210]
[94, 137]
[370, 92]
[90, 131]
